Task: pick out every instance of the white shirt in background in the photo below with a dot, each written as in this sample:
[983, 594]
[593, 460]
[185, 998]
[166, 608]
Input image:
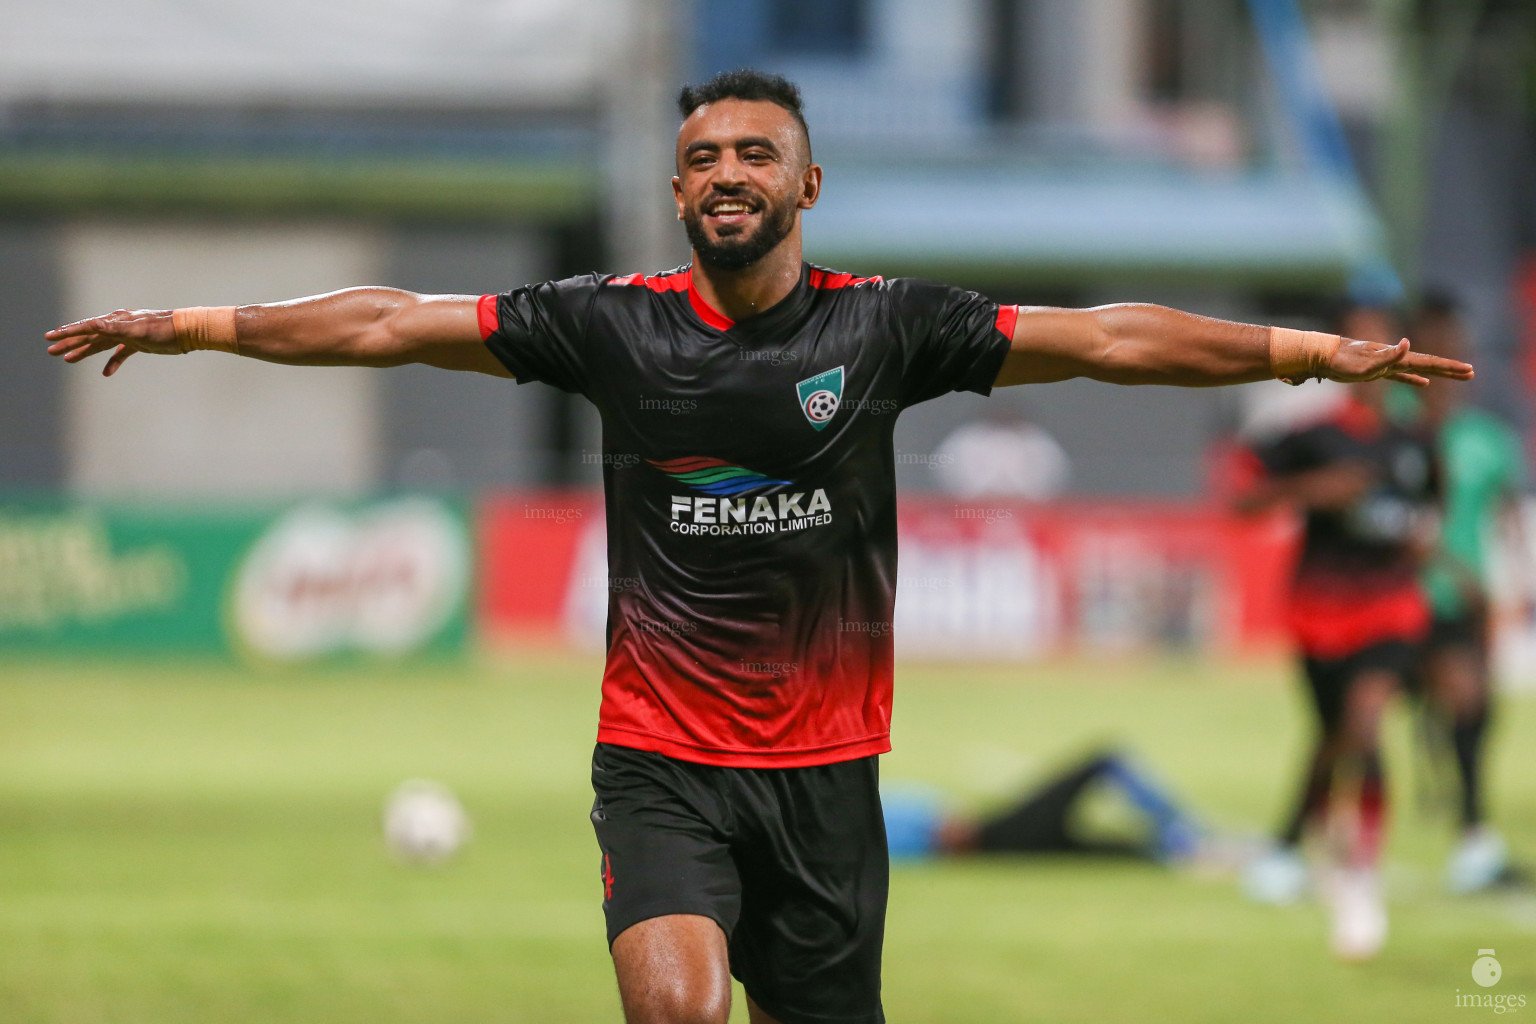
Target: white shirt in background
[1015, 459]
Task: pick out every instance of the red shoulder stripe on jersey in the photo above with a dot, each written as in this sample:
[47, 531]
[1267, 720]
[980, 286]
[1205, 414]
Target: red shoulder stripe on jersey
[682, 282]
[678, 282]
[716, 319]
[1007, 319]
[485, 312]
[822, 279]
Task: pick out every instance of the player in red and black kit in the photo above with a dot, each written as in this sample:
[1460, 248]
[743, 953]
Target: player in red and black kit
[1368, 489]
[747, 693]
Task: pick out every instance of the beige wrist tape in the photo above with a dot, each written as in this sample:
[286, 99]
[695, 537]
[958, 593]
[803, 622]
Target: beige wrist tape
[206, 327]
[1296, 355]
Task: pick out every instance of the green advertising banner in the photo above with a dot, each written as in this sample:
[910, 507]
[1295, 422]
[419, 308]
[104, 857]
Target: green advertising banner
[387, 578]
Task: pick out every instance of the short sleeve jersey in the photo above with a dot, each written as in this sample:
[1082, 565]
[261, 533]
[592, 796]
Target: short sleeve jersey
[749, 486]
[1356, 580]
[1368, 545]
[1484, 466]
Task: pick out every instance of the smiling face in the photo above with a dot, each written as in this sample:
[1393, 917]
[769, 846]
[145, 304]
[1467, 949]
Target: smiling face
[743, 176]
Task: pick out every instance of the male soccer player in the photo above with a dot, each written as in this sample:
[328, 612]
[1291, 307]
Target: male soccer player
[1368, 490]
[1484, 473]
[747, 692]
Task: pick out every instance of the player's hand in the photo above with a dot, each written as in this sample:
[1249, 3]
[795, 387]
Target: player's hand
[1370, 360]
[124, 332]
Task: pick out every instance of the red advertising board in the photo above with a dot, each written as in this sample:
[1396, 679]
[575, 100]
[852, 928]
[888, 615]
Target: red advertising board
[979, 580]
[528, 546]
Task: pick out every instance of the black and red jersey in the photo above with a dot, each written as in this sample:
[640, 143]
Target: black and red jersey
[749, 479]
[1357, 574]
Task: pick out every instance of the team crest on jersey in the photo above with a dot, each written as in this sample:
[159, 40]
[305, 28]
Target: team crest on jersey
[820, 397]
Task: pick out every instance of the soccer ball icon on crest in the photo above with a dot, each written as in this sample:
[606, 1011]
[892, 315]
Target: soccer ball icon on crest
[820, 406]
[1486, 971]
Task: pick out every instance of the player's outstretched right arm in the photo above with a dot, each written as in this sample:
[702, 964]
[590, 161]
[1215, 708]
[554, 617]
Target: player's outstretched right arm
[351, 327]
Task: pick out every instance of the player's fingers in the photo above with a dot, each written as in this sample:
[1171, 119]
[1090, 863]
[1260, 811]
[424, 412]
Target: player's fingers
[64, 344]
[1437, 366]
[90, 347]
[109, 323]
[124, 322]
[1410, 378]
[80, 351]
[118, 359]
[70, 330]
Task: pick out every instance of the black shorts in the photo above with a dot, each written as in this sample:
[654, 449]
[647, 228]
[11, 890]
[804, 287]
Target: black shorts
[1329, 679]
[790, 862]
[1466, 630]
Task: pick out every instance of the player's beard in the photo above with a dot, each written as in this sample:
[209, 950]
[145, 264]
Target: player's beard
[741, 251]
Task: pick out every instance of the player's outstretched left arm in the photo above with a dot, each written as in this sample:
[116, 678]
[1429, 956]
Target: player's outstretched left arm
[351, 327]
[1136, 343]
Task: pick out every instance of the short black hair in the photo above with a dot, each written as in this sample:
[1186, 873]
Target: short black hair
[1339, 312]
[745, 84]
[1439, 303]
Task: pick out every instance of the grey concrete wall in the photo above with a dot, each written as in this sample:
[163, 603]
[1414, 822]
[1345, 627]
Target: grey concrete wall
[463, 430]
[1121, 441]
[1479, 222]
[32, 448]
[209, 424]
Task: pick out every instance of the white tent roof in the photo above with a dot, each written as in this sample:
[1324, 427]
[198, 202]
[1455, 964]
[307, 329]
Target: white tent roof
[415, 51]
[1255, 225]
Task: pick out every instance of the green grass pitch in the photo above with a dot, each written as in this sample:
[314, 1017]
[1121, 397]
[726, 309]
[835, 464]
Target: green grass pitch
[187, 844]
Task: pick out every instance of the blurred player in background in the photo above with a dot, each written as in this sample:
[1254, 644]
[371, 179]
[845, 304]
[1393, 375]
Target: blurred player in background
[1484, 472]
[1368, 489]
[736, 770]
[1002, 454]
[1055, 817]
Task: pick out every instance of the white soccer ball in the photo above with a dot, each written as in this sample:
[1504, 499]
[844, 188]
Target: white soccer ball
[424, 823]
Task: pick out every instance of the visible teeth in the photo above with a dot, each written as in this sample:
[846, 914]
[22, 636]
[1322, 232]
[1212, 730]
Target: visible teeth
[731, 208]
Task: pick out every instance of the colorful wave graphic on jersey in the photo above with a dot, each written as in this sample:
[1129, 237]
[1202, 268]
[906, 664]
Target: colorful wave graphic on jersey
[714, 476]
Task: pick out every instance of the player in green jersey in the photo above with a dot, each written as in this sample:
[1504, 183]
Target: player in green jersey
[1483, 467]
